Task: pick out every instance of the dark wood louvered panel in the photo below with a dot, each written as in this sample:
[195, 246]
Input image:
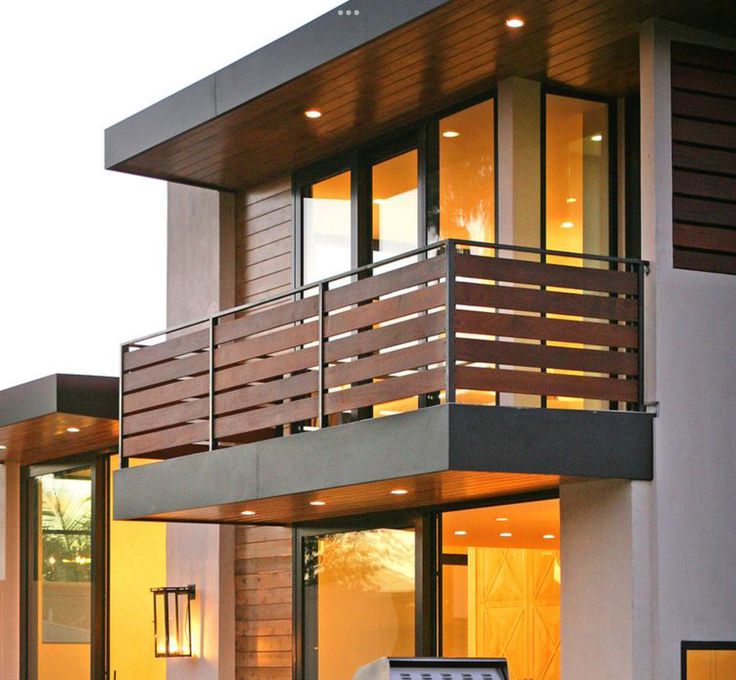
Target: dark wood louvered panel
[704, 158]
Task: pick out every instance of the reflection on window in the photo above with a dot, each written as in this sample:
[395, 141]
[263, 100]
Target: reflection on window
[359, 600]
[395, 206]
[467, 201]
[326, 220]
[577, 176]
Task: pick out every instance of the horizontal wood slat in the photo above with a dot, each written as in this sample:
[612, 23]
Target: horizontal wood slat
[546, 384]
[703, 158]
[523, 299]
[542, 274]
[383, 340]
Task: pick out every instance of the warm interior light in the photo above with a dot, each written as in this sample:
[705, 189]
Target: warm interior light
[313, 113]
[514, 22]
[248, 513]
[571, 199]
[399, 492]
[597, 138]
[548, 537]
[3, 447]
[502, 519]
[505, 534]
[461, 532]
[72, 429]
[378, 201]
[567, 225]
[317, 503]
[450, 134]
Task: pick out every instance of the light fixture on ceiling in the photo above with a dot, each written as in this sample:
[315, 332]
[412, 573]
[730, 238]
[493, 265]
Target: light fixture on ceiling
[399, 492]
[597, 138]
[567, 225]
[514, 22]
[379, 201]
[505, 534]
[313, 113]
[3, 447]
[450, 134]
[72, 430]
[248, 513]
[317, 504]
[571, 199]
[502, 519]
[461, 532]
[549, 537]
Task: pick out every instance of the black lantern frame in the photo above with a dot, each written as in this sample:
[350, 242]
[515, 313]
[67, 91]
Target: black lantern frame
[172, 621]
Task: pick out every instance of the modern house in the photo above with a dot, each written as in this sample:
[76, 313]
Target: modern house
[451, 362]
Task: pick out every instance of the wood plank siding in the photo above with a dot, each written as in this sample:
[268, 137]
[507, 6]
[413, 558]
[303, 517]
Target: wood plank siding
[704, 158]
[263, 603]
[264, 240]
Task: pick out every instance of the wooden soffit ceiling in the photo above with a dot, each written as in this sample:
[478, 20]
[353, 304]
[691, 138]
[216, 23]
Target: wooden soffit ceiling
[458, 49]
[35, 417]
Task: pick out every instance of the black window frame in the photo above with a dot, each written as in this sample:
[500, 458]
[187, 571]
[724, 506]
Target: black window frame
[701, 646]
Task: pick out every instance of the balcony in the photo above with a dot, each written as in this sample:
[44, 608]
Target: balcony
[481, 329]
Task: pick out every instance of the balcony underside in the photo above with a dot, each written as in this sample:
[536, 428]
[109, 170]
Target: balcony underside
[441, 454]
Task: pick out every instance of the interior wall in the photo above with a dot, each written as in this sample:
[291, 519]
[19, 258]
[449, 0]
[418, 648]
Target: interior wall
[10, 574]
[693, 358]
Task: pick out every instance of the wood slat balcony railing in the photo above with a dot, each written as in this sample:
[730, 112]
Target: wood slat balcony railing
[454, 321]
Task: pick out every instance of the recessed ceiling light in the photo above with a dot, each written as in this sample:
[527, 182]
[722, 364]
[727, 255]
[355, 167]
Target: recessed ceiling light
[571, 199]
[317, 503]
[379, 201]
[72, 429]
[502, 519]
[461, 532]
[514, 22]
[399, 492]
[549, 537]
[248, 513]
[567, 225]
[3, 447]
[597, 138]
[313, 113]
[505, 534]
[450, 134]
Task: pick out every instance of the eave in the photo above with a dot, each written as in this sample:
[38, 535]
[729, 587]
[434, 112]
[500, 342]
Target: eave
[34, 417]
[440, 455]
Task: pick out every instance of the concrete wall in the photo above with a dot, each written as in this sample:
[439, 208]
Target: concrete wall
[10, 574]
[200, 281]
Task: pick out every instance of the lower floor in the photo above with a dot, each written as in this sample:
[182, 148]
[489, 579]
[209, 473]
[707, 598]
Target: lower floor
[555, 582]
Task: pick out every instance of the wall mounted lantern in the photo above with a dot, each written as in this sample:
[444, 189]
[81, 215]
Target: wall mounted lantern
[172, 620]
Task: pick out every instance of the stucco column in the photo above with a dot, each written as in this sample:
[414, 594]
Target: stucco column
[200, 281]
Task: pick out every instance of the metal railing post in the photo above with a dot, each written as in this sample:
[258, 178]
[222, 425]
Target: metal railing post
[211, 404]
[122, 460]
[321, 357]
[450, 322]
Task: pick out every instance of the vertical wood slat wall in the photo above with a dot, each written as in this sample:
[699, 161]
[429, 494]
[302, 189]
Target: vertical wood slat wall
[704, 158]
[263, 571]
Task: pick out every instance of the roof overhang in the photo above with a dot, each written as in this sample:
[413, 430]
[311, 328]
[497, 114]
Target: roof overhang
[370, 74]
[440, 455]
[34, 417]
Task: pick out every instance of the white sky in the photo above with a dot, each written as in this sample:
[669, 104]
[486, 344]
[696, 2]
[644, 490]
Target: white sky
[82, 249]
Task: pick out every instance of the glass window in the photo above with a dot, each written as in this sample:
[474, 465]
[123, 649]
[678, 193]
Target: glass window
[576, 176]
[60, 589]
[501, 586]
[709, 661]
[395, 206]
[467, 187]
[358, 600]
[326, 228]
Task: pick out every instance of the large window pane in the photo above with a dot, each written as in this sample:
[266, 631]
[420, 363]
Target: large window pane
[577, 175]
[395, 206]
[359, 600]
[326, 228]
[467, 187]
[501, 586]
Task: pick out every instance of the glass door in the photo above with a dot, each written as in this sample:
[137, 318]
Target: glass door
[358, 599]
[63, 609]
